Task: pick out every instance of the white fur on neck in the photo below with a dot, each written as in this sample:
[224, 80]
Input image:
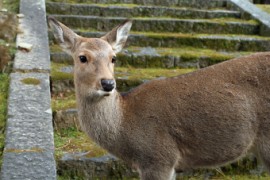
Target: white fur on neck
[103, 116]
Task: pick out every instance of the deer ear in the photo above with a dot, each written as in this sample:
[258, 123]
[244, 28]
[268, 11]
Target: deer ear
[118, 36]
[64, 36]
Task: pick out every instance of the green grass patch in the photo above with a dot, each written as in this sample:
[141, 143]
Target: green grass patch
[63, 101]
[194, 53]
[72, 140]
[147, 74]
[11, 5]
[56, 73]
[264, 7]
[4, 84]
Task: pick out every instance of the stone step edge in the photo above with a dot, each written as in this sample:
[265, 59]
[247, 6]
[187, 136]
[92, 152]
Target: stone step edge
[29, 145]
[216, 42]
[91, 9]
[193, 3]
[106, 166]
[225, 20]
[154, 61]
[163, 25]
[255, 12]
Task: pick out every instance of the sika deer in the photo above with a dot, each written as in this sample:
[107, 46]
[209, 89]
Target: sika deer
[203, 119]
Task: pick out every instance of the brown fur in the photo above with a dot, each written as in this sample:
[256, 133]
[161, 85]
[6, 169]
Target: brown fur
[207, 118]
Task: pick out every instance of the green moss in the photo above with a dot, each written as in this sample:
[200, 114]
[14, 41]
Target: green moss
[264, 7]
[147, 74]
[31, 81]
[55, 48]
[63, 101]
[56, 73]
[4, 84]
[72, 140]
[191, 53]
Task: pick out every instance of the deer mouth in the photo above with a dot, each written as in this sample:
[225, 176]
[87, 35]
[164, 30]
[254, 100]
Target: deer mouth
[105, 93]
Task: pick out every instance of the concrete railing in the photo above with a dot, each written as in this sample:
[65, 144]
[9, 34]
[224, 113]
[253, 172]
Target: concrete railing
[29, 144]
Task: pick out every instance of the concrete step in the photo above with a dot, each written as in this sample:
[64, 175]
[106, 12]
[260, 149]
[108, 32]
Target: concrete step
[149, 57]
[210, 26]
[219, 42]
[126, 78]
[126, 10]
[185, 3]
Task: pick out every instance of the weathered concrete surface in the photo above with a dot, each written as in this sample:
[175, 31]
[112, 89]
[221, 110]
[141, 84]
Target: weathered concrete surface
[210, 41]
[29, 145]
[137, 11]
[161, 24]
[184, 3]
[256, 13]
[34, 31]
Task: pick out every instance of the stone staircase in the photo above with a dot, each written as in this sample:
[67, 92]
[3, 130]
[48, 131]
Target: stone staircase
[168, 38]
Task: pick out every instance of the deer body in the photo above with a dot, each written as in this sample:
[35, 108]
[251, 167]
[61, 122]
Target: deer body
[202, 119]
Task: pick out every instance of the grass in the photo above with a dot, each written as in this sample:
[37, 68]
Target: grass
[11, 5]
[63, 101]
[264, 7]
[194, 53]
[72, 140]
[4, 84]
[147, 74]
[56, 73]
[123, 72]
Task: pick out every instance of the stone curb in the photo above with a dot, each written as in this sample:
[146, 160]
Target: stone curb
[29, 144]
[256, 13]
[34, 34]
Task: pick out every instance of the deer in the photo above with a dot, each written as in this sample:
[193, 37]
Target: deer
[203, 119]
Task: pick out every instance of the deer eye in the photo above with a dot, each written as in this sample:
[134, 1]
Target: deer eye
[83, 59]
[113, 59]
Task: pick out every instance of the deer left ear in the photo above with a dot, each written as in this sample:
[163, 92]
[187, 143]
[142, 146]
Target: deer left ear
[64, 36]
[118, 36]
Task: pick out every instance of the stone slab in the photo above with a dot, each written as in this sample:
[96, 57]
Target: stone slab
[29, 145]
[256, 13]
[28, 166]
[34, 32]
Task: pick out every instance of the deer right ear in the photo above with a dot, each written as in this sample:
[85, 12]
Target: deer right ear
[118, 36]
[64, 36]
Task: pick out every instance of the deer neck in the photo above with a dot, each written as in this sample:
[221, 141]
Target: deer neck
[101, 118]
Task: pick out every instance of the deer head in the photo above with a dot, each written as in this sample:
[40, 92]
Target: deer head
[94, 58]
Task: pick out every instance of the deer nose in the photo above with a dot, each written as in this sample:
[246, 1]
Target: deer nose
[108, 84]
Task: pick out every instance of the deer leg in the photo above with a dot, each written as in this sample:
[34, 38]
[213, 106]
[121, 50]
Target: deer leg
[264, 153]
[164, 173]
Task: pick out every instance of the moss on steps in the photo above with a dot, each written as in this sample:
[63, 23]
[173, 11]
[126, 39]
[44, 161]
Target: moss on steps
[214, 26]
[134, 10]
[126, 77]
[147, 57]
[219, 42]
